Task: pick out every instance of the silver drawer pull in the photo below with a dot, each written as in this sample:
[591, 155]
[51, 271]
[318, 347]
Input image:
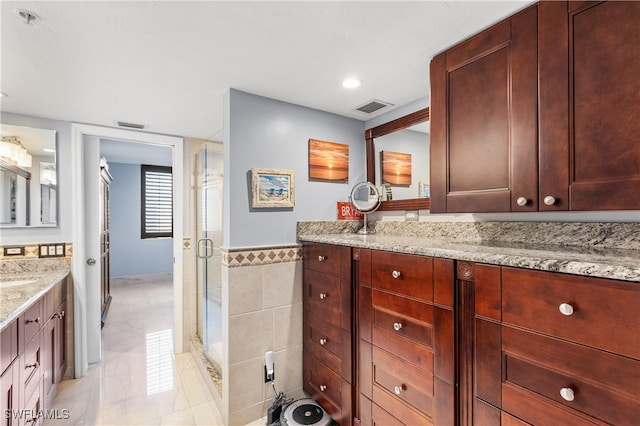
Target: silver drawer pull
[398, 389]
[566, 309]
[567, 394]
[396, 274]
[522, 201]
[397, 326]
[34, 365]
[321, 258]
[323, 388]
[323, 342]
[323, 296]
[36, 320]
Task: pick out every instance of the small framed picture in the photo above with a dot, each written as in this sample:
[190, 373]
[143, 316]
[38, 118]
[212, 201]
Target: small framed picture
[423, 189]
[272, 188]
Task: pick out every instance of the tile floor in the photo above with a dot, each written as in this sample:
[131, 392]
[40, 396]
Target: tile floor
[140, 380]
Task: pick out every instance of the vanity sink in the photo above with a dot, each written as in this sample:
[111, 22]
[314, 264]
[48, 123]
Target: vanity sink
[13, 283]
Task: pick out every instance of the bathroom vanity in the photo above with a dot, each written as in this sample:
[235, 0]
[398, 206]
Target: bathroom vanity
[460, 331]
[36, 340]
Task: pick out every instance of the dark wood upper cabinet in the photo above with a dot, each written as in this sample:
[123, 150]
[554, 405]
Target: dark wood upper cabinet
[483, 120]
[540, 113]
[589, 62]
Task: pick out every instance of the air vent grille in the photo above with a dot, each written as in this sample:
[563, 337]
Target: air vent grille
[373, 106]
[130, 125]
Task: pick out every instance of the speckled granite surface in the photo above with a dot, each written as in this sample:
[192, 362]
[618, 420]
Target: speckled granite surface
[605, 250]
[42, 274]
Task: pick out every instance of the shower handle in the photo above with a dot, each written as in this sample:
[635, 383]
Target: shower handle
[205, 244]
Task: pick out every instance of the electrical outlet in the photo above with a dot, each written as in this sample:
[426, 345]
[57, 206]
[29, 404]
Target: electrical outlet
[411, 215]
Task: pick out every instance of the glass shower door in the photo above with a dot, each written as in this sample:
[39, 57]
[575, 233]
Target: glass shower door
[209, 177]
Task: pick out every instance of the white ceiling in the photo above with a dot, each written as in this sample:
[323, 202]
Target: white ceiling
[167, 64]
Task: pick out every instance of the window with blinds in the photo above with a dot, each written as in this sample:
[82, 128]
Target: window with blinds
[157, 202]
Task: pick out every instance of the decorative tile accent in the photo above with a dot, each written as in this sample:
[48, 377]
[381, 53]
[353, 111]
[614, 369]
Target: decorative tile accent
[261, 255]
[186, 243]
[31, 250]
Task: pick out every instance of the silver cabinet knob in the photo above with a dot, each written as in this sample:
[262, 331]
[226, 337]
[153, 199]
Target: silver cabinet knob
[396, 274]
[398, 389]
[323, 296]
[91, 261]
[521, 201]
[549, 200]
[567, 394]
[397, 326]
[566, 309]
[323, 388]
[323, 342]
[321, 258]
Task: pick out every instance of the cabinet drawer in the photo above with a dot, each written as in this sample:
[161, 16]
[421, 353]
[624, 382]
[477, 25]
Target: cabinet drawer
[30, 323]
[394, 379]
[402, 273]
[403, 327]
[533, 299]
[320, 382]
[323, 340]
[380, 417]
[322, 295]
[598, 383]
[322, 258]
[31, 368]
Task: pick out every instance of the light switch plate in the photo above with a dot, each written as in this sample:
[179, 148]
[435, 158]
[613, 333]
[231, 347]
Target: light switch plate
[411, 215]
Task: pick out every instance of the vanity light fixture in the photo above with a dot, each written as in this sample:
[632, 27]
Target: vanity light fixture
[12, 150]
[351, 83]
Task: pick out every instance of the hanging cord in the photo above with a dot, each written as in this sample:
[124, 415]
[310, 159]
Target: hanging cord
[281, 398]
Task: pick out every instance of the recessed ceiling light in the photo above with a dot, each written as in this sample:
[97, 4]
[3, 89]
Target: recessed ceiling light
[48, 150]
[351, 83]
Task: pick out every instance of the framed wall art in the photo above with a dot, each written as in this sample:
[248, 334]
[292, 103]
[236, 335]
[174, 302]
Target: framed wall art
[396, 168]
[328, 161]
[272, 188]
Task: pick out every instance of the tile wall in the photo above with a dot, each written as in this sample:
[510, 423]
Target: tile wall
[264, 290]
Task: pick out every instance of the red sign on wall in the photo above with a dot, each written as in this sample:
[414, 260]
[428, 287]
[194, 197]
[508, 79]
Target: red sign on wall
[346, 211]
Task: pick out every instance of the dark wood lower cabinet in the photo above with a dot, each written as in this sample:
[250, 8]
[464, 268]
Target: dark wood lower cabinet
[559, 350]
[35, 353]
[444, 342]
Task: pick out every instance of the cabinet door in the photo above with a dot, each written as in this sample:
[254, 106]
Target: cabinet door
[484, 121]
[60, 366]
[589, 105]
[9, 384]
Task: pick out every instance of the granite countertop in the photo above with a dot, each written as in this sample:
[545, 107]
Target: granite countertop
[596, 260]
[41, 274]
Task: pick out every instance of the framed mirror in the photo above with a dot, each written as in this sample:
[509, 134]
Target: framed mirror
[401, 134]
[28, 177]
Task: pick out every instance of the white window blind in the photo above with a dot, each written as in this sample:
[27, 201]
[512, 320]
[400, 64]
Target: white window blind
[157, 202]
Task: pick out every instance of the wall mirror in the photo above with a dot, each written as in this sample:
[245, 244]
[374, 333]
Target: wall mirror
[404, 135]
[28, 177]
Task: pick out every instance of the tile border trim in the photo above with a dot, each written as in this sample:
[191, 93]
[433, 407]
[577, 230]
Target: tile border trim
[32, 250]
[255, 256]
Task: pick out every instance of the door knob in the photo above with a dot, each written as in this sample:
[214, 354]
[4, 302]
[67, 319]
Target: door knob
[91, 261]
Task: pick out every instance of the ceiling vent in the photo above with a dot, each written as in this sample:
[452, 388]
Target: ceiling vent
[130, 125]
[373, 106]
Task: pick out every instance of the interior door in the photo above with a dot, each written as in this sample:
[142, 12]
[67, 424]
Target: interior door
[93, 246]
